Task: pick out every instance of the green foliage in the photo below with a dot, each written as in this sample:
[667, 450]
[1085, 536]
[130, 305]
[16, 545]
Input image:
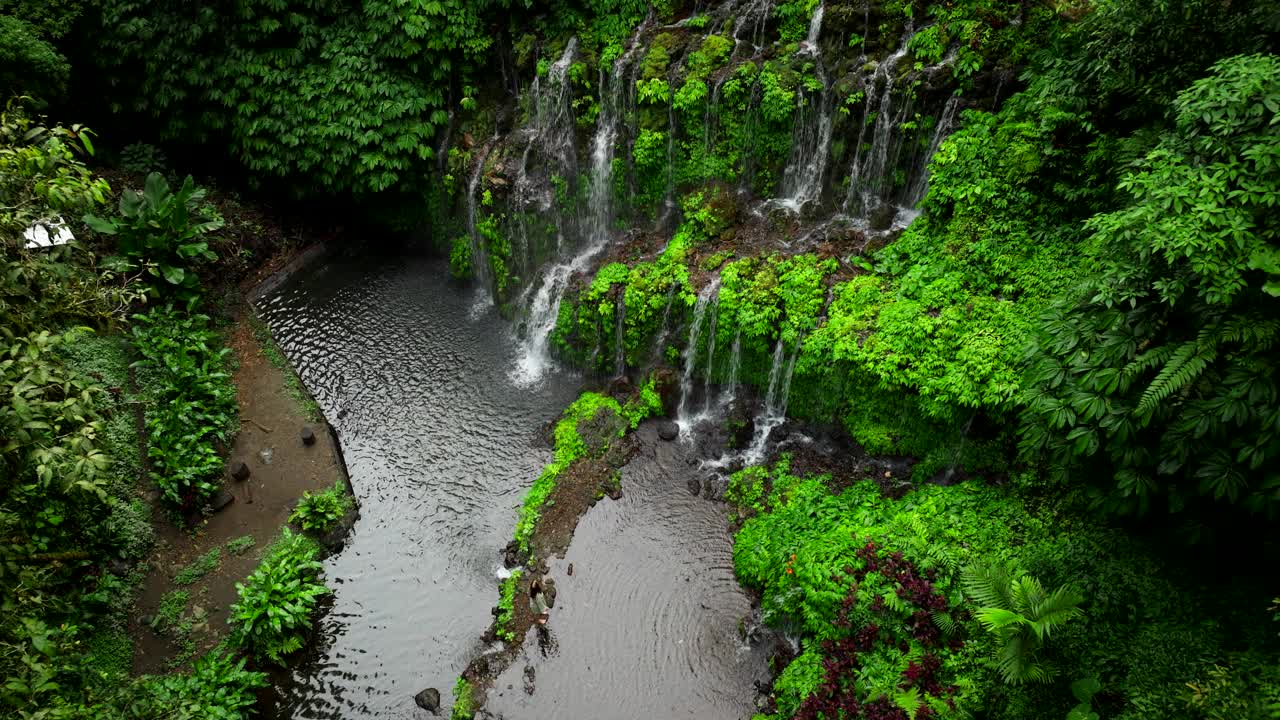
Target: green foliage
[197, 404]
[506, 605]
[273, 614]
[29, 63]
[199, 567]
[1022, 615]
[160, 231]
[463, 701]
[240, 545]
[460, 266]
[332, 96]
[170, 610]
[317, 512]
[217, 688]
[142, 158]
[1162, 380]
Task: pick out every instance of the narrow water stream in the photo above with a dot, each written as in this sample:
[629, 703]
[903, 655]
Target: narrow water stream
[441, 446]
[651, 622]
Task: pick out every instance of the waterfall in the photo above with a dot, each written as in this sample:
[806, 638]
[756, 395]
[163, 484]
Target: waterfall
[619, 321]
[704, 301]
[664, 330]
[775, 404]
[811, 141]
[940, 131]
[711, 358]
[544, 309]
[479, 253]
[815, 28]
[735, 365]
[867, 180]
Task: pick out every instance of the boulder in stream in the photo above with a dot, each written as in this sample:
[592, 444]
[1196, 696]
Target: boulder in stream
[308, 435]
[429, 700]
[668, 430]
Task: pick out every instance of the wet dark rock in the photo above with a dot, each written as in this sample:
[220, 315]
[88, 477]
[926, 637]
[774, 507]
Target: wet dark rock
[335, 539]
[148, 620]
[549, 591]
[221, 500]
[308, 435]
[621, 387]
[668, 430]
[882, 217]
[428, 700]
[667, 384]
[695, 486]
[511, 555]
[569, 571]
[119, 567]
[239, 470]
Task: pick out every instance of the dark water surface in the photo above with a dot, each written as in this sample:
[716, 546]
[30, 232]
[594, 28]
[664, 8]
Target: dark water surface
[441, 446]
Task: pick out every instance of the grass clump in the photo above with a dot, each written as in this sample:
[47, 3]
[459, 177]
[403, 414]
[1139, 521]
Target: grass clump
[169, 611]
[507, 605]
[464, 704]
[240, 545]
[199, 567]
[317, 512]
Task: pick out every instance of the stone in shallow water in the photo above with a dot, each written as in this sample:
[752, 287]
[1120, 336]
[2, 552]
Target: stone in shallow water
[668, 431]
[221, 500]
[428, 700]
[240, 470]
[308, 435]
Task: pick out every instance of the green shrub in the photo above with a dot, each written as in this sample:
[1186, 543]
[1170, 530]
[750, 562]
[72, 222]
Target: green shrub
[273, 615]
[217, 688]
[160, 232]
[319, 511]
[196, 407]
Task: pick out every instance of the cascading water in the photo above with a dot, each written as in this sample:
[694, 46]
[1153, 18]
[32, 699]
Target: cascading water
[802, 178]
[735, 366]
[707, 299]
[479, 252]
[544, 309]
[940, 131]
[711, 359]
[775, 404]
[867, 177]
[550, 135]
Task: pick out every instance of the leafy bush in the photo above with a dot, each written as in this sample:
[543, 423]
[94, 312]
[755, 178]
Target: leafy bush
[197, 404]
[319, 511]
[273, 614]
[217, 688]
[463, 701]
[142, 158]
[159, 231]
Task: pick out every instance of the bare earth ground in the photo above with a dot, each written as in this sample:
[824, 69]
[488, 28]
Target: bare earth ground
[270, 419]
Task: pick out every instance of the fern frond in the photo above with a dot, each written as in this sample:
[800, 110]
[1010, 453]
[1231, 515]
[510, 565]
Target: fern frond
[944, 621]
[1184, 366]
[988, 585]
